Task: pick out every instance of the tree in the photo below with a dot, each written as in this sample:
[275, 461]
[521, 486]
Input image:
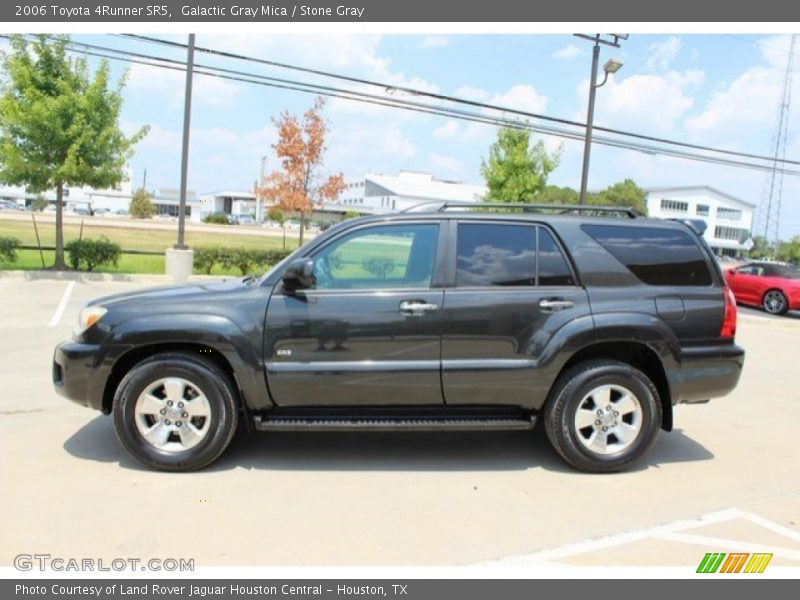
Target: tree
[351, 214]
[516, 170]
[790, 251]
[299, 186]
[39, 203]
[59, 125]
[277, 215]
[623, 193]
[761, 248]
[552, 194]
[142, 206]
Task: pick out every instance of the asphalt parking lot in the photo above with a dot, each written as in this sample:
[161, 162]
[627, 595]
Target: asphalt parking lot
[726, 479]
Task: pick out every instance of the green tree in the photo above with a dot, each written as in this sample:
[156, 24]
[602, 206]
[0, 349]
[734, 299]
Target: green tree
[761, 248]
[277, 215]
[142, 206]
[790, 251]
[59, 124]
[552, 194]
[517, 169]
[39, 203]
[623, 193]
[351, 214]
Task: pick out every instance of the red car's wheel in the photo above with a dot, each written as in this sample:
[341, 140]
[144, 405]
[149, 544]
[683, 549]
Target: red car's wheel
[775, 302]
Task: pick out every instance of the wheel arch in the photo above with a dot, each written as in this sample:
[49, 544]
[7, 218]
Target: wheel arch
[636, 354]
[136, 355]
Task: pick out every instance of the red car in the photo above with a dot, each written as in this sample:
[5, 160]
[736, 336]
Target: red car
[775, 287]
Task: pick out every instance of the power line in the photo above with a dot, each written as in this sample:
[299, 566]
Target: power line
[454, 99]
[352, 95]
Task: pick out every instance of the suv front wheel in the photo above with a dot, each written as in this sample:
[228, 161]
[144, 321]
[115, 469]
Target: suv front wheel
[603, 415]
[175, 412]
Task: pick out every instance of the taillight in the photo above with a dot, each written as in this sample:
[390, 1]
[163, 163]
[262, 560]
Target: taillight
[729, 322]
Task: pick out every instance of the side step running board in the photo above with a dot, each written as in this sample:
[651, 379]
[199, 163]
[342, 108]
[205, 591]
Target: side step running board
[343, 423]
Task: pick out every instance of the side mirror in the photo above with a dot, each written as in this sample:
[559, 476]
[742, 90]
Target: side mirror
[299, 275]
[731, 272]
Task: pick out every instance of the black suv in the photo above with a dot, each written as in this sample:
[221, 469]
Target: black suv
[446, 317]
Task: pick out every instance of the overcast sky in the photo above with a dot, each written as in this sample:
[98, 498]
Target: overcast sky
[712, 89]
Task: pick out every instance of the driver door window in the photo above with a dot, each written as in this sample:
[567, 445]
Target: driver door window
[381, 257]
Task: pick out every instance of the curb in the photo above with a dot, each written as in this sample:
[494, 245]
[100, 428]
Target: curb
[84, 277]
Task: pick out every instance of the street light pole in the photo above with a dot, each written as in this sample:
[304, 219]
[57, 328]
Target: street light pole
[612, 66]
[187, 114]
[587, 144]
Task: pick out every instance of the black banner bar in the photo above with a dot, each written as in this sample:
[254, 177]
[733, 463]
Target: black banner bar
[394, 589]
[440, 11]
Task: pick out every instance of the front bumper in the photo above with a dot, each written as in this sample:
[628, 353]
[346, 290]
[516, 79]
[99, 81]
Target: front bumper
[706, 372]
[76, 374]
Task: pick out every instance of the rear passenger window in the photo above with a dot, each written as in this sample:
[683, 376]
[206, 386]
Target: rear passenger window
[656, 255]
[505, 255]
[553, 268]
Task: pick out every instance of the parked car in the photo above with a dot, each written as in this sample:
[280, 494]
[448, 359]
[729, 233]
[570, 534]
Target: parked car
[244, 220]
[443, 318]
[775, 287]
[7, 205]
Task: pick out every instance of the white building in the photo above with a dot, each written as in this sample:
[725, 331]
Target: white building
[231, 202]
[729, 219]
[86, 197]
[389, 193]
[167, 202]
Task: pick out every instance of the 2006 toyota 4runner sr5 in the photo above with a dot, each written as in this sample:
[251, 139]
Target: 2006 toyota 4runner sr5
[445, 317]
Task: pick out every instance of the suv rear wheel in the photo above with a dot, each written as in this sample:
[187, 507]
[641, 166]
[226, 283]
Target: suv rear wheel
[603, 415]
[175, 412]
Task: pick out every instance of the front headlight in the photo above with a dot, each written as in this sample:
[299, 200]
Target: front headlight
[88, 317]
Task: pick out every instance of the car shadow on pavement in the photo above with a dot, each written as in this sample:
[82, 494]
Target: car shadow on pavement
[374, 451]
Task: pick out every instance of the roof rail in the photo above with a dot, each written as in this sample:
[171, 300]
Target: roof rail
[564, 209]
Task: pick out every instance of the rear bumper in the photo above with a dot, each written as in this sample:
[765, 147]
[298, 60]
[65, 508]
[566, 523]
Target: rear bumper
[76, 374]
[706, 372]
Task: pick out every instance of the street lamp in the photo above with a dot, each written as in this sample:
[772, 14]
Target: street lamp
[612, 66]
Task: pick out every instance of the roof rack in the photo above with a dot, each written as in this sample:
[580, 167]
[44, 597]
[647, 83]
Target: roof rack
[563, 209]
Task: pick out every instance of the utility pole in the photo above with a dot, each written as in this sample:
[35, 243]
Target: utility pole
[187, 114]
[612, 66]
[144, 180]
[258, 185]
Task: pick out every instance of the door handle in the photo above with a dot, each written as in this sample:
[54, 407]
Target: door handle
[417, 307]
[555, 304]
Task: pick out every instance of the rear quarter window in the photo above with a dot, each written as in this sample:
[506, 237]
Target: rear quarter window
[655, 255]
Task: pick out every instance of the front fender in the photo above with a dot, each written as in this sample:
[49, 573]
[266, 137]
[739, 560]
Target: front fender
[214, 331]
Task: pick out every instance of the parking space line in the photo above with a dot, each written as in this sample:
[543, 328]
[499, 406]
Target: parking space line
[618, 539]
[62, 306]
[774, 527]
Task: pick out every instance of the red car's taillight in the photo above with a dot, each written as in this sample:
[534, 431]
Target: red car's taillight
[728, 329]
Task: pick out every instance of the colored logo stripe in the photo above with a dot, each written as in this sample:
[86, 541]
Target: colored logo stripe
[758, 562]
[713, 562]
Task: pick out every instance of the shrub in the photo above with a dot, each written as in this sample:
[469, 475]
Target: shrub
[8, 249]
[246, 260]
[142, 206]
[378, 266]
[92, 253]
[205, 259]
[217, 219]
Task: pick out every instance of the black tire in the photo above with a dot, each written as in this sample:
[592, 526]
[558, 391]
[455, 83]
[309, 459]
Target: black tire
[566, 397]
[214, 383]
[775, 302]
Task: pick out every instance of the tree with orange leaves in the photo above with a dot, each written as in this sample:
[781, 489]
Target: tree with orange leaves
[299, 187]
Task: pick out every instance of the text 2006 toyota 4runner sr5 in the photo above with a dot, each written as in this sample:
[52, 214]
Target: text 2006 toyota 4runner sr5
[445, 317]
